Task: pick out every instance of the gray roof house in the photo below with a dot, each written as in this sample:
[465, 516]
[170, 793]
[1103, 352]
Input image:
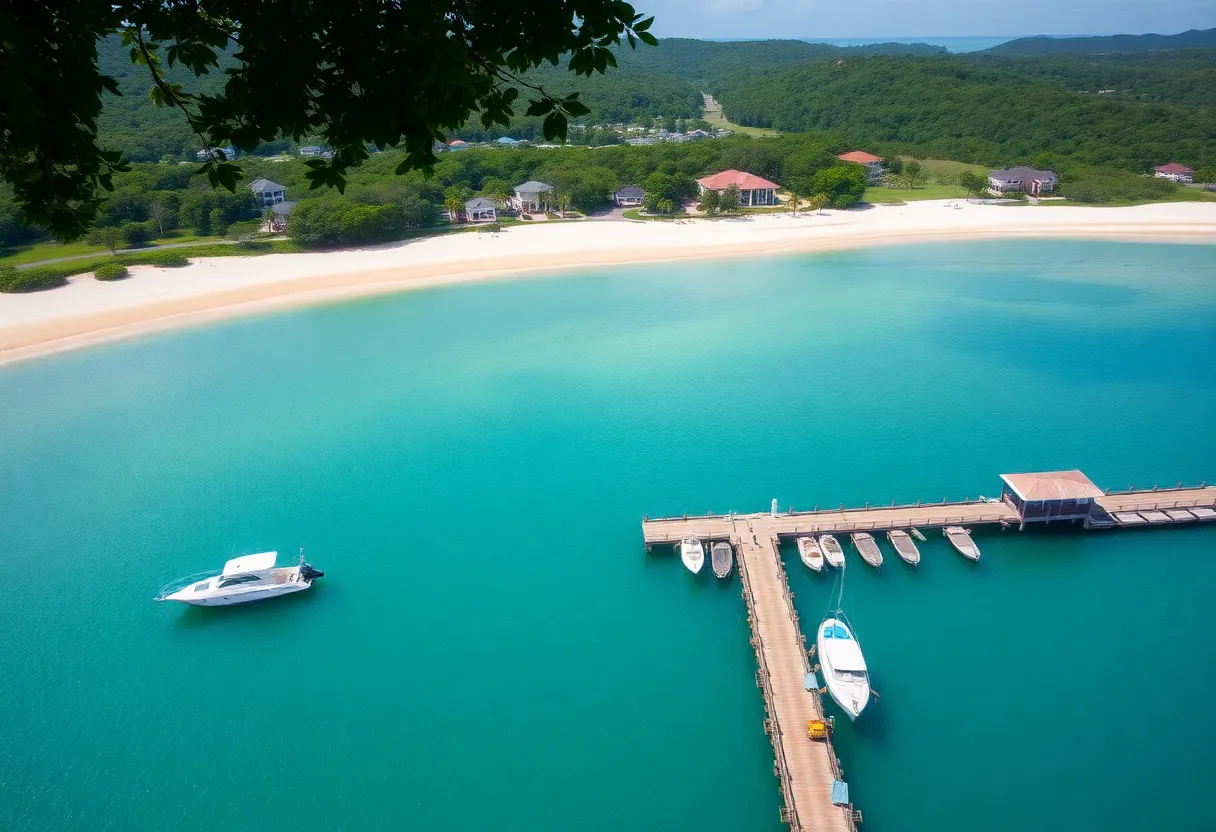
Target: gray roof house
[1021, 179]
[629, 195]
[268, 193]
[528, 195]
[480, 209]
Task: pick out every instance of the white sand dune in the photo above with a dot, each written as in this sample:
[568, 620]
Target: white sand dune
[88, 312]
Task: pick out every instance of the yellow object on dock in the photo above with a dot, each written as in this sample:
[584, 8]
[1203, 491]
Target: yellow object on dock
[818, 729]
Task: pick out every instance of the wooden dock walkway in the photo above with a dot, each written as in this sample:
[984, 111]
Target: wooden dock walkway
[805, 767]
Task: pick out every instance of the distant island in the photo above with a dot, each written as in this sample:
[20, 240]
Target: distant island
[1043, 45]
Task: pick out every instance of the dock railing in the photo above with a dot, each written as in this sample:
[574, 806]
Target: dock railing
[1114, 492]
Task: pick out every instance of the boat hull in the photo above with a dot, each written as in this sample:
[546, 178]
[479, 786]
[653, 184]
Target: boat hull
[692, 553]
[242, 597]
[723, 559]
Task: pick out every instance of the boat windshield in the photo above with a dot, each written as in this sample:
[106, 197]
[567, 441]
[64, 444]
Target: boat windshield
[239, 579]
[836, 631]
[851, 675]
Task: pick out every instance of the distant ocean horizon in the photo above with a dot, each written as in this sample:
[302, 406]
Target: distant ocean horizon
[970, 43]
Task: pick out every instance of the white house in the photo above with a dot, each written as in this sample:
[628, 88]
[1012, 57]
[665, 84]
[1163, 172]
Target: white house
[1021, 179]
[480, 209]
[872, 163]
[753, 190]
[528, 196]
[312, 150]
[1175, 172]
[268, 193]
[629, 195]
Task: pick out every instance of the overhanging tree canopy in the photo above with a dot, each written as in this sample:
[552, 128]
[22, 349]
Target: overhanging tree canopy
[381, 72]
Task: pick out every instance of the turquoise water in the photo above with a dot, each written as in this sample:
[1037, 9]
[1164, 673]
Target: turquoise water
[491, 646]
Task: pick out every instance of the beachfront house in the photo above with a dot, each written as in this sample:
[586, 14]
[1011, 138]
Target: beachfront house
[458, 144]
[480, 209]
[312, 150]
[532, 197]
[872, 164]
[1175, 173]
[268, 193]
[507, 141]
[630, 195]
[1050, 495]
[1021, 180]
[753, 190]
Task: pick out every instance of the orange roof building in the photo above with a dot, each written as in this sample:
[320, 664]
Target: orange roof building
[753, 190]
[860, 157]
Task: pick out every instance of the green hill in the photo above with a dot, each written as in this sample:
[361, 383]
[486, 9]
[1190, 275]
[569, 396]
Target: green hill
[1112, 43]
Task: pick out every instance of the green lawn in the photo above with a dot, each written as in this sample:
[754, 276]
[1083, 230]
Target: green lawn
[882, 196]
[935, 166]
[21, 255]
[718, 121]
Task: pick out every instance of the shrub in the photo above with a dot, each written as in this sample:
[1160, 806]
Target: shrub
[167, 259]
[138, 233]
[111, 271]
[29, 280]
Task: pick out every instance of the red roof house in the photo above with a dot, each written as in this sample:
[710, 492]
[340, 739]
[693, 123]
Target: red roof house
[860, 157]
[1175, 171]
[873, 164]
[753, 190]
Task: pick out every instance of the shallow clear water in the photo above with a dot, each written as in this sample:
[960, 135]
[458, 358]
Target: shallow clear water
[492, 647]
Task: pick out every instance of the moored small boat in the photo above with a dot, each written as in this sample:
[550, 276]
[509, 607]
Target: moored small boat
[722, 558]
[867, 547]
[961, 540]
[904, 547]
[808, 550]
[832, 552]
[692, 553]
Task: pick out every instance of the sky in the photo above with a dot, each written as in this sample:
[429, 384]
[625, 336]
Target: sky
[911, 18]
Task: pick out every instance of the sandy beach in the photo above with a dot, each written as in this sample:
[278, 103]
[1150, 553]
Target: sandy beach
[88, 312]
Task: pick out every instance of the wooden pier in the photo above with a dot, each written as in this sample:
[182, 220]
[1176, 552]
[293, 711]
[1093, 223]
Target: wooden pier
[807, 768]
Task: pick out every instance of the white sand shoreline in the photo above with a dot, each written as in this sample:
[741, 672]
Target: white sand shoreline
[88, 312]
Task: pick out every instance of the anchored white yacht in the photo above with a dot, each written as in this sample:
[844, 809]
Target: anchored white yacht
[844, 667]
[243, 579]
[692, 553]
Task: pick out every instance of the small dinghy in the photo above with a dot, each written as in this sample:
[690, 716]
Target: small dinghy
[722, 558]
[904, 547]
[808, 550]
[693, 554]
[961, 540]
[867, 547]
[832, 552]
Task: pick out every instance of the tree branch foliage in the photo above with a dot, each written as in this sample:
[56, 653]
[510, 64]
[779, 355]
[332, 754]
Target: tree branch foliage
[385, 73]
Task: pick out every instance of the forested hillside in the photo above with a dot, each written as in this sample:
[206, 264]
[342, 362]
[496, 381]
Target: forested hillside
[1111, 43]
[973, 110]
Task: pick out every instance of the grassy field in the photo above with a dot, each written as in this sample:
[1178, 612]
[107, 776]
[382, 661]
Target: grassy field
[946, 166]
[20, 255]
[882, 196]
[712, 112]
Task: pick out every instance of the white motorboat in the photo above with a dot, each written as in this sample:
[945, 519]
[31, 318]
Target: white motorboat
[244, 579]
[692, 553]
[867, 548]
[722, 558]
[808, 550]
[961, 540]
[832, 552]
[904, 547]
[844, 667]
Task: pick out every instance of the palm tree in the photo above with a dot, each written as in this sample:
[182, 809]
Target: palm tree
[794, 200]
[454, 207]
[818, 202]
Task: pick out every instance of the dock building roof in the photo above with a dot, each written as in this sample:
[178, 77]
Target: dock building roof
[1052, 485]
